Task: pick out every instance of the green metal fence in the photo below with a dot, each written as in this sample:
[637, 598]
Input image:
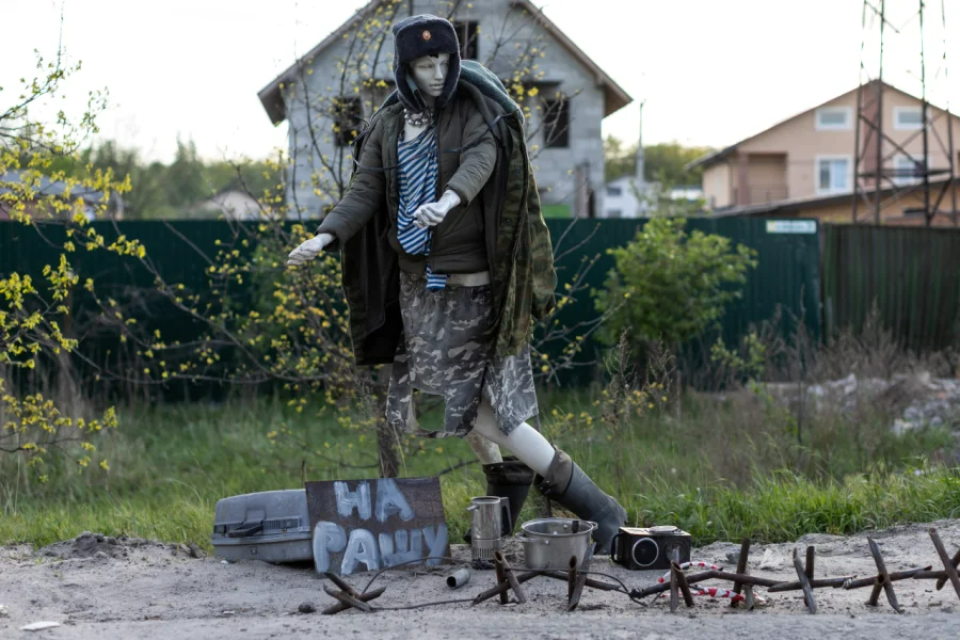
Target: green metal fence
[788, 274]
[911, 274]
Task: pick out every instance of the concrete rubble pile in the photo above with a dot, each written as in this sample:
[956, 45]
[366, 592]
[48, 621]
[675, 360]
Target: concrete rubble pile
[918, 399]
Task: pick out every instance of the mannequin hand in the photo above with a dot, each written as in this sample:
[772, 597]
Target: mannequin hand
[308, 250]
[433, 214]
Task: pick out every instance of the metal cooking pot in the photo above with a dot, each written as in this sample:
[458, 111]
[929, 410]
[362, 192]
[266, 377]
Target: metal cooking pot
[549, 543]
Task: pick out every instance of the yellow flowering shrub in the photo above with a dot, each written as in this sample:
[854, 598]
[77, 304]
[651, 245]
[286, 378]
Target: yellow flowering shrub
[37, 191]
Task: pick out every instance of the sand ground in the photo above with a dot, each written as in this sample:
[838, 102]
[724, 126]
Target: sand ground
[104, 589]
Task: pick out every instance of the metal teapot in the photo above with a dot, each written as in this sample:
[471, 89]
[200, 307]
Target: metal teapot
[489, 515]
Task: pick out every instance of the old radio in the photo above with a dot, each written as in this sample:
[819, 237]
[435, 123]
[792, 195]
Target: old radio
[650, 549]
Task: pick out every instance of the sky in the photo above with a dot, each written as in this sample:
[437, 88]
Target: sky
[710, 72]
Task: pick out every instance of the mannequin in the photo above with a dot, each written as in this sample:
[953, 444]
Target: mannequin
[429, 73]
[445, 144]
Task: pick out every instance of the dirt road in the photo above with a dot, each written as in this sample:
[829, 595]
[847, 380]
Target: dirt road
[107, 589]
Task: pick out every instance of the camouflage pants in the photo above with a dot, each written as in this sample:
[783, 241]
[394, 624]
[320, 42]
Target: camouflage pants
[446, 351]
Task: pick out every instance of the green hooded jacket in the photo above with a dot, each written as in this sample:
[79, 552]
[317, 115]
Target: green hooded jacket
[518, 247]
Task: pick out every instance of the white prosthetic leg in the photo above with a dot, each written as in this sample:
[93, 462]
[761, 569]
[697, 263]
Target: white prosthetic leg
[506, 477]
[558, 477]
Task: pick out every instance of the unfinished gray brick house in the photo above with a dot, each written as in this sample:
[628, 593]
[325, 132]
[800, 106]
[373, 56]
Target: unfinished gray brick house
[326, 96]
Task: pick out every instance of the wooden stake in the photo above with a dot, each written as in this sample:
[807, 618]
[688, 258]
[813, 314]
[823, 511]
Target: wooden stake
[665, 586]
[576, 583]
[886, 584]
[512, 579]
[363, 597]
[682, 582]
[571, 577]
[947, 563]
[589, 582]
[941, 582]
[674, 585]
[741, 568]
[501, 580]
[859, 583]
[349, 600]
[506, 586]
[874, 598]
[804, 583]
[346, 588]
[814, 584]
[745, 578]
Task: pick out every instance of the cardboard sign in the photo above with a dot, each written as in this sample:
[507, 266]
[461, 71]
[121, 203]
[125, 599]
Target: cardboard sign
[368, 525]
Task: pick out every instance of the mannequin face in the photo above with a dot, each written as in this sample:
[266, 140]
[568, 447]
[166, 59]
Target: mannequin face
[430, 73]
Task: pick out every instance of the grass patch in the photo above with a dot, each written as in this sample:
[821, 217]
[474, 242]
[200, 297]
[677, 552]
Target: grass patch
[722, 470]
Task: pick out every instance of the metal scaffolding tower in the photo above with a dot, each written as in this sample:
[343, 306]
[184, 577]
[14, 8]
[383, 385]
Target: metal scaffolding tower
[879, 181]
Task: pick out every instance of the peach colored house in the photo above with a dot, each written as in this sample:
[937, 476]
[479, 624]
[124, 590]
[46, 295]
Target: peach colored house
[804, 166]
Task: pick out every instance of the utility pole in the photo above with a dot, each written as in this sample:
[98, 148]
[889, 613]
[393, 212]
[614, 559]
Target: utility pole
[878, 185]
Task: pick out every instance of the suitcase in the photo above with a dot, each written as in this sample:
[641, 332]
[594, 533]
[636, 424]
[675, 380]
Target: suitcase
[272, 526]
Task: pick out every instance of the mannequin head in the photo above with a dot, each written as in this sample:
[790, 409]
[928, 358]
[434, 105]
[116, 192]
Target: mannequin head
[430, 74]
[426, 61]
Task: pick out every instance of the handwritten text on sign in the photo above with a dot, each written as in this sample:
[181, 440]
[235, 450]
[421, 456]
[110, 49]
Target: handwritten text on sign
[367, 525]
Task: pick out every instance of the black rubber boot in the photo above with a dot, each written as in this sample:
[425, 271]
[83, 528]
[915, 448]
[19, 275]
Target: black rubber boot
[509, 479]
[567, 485]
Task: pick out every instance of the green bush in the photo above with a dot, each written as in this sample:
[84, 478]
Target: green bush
[671, 286]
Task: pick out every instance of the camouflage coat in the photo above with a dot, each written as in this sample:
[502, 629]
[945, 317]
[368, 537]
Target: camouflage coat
[519, 250]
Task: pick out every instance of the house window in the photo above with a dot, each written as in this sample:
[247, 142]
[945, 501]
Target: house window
[614, 213]
[834, 118]
[469, 35]
[346, 119]
[833, 174]
[907, 170]
[614, 192]
[556, 124]
[907, 118]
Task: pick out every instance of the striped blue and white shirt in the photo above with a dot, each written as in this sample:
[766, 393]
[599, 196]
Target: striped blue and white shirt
[417, 174]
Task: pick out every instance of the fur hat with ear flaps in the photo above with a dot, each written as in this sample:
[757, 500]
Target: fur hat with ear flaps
[416, 37]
